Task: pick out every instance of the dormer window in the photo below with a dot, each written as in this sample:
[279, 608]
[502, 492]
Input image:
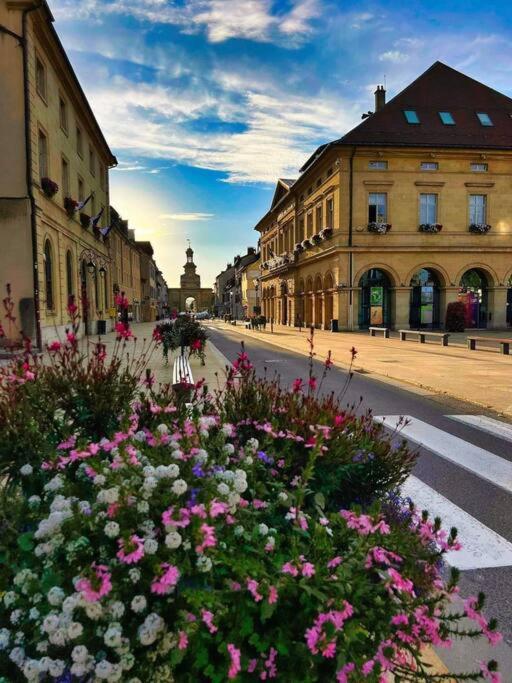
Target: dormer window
[484, 118]
[446, 118]
[378, 165]
[411, 116]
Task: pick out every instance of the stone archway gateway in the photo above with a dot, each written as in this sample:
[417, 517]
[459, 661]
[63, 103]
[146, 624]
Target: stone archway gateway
[190, 290]
[374, 305]
[474, 294]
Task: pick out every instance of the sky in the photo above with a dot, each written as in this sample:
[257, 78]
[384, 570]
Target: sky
[207, 102]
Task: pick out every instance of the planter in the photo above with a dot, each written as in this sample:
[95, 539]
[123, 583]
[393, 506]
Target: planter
[379, 228]
[70, 206]
[306, 244]
[430, 227]
[325, 233]
[85, 221]
[479, 228]
[316, 239]
[49, 187]
[298, 248]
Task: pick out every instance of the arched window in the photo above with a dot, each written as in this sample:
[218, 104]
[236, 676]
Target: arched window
[48, 275]
[69, 274]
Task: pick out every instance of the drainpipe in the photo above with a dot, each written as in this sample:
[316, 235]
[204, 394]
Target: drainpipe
[28, 163]
[350, 237]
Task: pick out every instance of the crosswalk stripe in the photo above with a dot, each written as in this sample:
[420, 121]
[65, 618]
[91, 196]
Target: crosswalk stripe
[482, 547]
[484, 464]
[502, 430]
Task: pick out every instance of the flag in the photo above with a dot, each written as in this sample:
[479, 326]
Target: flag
[96, 219]
[105, 231]
[81, 205]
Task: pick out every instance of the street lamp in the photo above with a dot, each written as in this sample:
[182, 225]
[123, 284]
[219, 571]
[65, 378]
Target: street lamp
[91, 267]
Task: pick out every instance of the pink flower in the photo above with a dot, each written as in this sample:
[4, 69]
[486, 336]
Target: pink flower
[134, 555]
[332, 564]
[272, 595]
[93, 594]
[308, 569]
[182, 640]
[209, 539]
[123, 330]
[164, 584]
[54, 346]
[399, 583]
[489, 673]
[252, 587]
[341, 676]
[288, 568]
[207, 618]
[234, 668]
[312, 383]
[297, 385]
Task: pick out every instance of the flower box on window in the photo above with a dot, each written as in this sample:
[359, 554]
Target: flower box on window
[96, 232]
[50, 188]
[430, 227]
[71, 205]
[85, 221]
[306, 243]
[479, 228]
[298, 248]
[325, 233]
[379, 228]
[316, 239]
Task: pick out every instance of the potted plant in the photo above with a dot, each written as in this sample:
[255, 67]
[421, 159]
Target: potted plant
[316, 238]
[379, 228]
[325, 233]
[70, 205]
[85, 220]
[298, 248]
[431, 227]
[479, 228]
[306, 243]
[49, 187]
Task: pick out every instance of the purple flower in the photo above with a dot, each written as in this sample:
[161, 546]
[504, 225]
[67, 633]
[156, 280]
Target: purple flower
[193, 497]
[197, 470]
[265, 458]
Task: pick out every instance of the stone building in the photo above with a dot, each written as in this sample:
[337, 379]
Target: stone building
[148, 269]
[190, 296]
[162, 295]
[243, 294]
[407, 212]
[125, 256]
[224, 291]
[53, 155]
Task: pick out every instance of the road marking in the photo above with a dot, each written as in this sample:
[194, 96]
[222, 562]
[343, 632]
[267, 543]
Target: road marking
[484, 464]
[482, 547]
[502, 430]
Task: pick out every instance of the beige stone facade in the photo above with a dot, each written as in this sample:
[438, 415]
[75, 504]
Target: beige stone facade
[148, 271]
[47, 130]
[322, 259]
[250, 288]
[126, 257]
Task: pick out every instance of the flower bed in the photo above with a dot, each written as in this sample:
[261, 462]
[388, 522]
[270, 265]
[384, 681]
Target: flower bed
[210, 543]
[181, 333]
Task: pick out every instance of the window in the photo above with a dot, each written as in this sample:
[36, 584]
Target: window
[378, 165]
[43, 154]
[477, 208]
[377, 207]
[330, 213]
[92, 165]
[300, 236]
[484, 118]
[69, 274]
[79, 143]
[411, 116]
[65, 177]
[319, 217]
[48, 275]
[428, 209]
[329, 172]
[319, 182]
[479, 168]
[309, 224]
[63, 115]
[447, 118]
[310, 190]
[81, 193]
[429, 166]
[40, 78]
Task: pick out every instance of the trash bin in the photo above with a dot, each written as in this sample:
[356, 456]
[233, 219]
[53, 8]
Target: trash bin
[334, 326]
[102, 327]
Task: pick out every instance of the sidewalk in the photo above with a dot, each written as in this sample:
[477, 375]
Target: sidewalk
[480, 377]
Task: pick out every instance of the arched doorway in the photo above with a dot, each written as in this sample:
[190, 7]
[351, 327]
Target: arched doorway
[509, 301]
[474, 295]
[284, 306]
[424, 306]
[318, 302]
[309, 302]
[299, 316]
[328, 300]
[374, 305]
[190, 305]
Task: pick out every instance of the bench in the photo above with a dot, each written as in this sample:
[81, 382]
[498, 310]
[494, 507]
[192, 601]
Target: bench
[384, 330]
[423, 334]
[247, 325]
[181, 373]
[504, 343]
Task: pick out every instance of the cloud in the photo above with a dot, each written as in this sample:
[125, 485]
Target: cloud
[394, 56]
[192, 216]
[221, 20]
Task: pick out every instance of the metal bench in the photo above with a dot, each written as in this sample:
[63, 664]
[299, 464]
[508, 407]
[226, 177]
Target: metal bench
[181, 373]
[423, 334]
[504, 343]
[384, 330]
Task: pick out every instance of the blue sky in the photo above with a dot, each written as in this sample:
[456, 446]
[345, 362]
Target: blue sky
[207, 102]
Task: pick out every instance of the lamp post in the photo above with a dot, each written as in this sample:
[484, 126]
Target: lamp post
[94, 263]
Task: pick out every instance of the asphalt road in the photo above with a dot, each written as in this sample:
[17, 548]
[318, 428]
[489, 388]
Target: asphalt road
[485, 501]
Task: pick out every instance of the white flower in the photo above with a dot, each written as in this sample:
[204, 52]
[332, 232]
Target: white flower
[58, 637]
[282, 496]
[223, 489]
[143, 507]
[148, 471]
[75, 630]
[249, 460]
[54, 484]
[103, 669]
[173, 470]
[138, 604]
[163, 429]
[111, 529]
[271, 541]
[177, 454]
[16, 616]
[31, 669]
[150, 546]
[116, 609]
[50, 623]
[79, 653]
[26, 470]
[5, 635]
[127, 661]
[93, 610]
[113, 636]
[9, 598]
[201, 456]
[179, 487]
[108, 496]
[140, 436]
[99, 480]
[252, 445]
[204, 564]
[240, 485]
[263, 529]
[55, 596]
[228, 430]
[229, 449]
[56, 667]
[233, 499]
[173, 540]
[134, 574]
[239, 530]
[17, 655]
[34, 501]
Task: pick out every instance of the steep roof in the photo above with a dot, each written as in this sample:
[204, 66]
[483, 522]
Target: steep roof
[439, 89]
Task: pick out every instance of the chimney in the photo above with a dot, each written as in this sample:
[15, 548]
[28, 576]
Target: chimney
[380, 98]
[251, 250]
